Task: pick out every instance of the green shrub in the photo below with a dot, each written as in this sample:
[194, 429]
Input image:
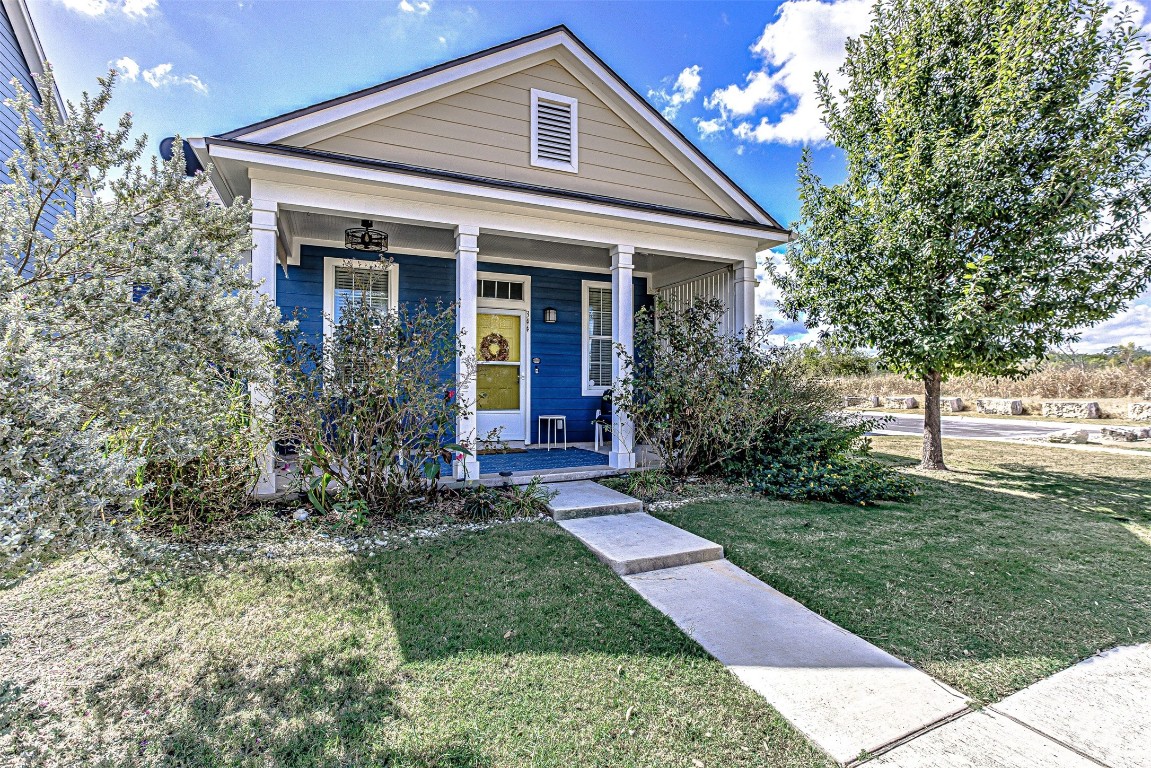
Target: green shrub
[708, 401]
[373, 413]
[506, 502]
[825, 461]
[211, 487]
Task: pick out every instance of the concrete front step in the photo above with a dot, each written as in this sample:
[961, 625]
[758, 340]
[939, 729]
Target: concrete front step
[637, 542]
[587, 499]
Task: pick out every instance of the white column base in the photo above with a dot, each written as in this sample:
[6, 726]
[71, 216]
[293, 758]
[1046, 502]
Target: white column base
[621, 460]
[468, 469]
[266, 485]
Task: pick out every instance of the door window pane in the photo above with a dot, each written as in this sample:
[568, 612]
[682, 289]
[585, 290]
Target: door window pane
[498, 387]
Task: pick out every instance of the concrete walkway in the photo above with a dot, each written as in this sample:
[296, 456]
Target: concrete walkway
[850, 698]
[842, 692]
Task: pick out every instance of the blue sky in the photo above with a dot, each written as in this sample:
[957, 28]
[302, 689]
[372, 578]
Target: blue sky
[733, 76]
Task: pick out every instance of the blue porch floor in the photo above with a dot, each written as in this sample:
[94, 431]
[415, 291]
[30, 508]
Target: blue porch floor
[538, 459]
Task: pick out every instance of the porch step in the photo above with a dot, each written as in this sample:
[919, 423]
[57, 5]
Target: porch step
[587, 499]
[637, 542]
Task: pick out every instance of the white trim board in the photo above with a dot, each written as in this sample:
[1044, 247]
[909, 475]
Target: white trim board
[410, 186]
[585, 338]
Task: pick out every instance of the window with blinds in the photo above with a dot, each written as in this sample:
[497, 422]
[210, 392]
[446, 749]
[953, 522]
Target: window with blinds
[555, 138]
[355, 284]
[599, 349]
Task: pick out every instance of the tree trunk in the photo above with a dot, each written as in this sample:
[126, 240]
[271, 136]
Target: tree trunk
[932, 431]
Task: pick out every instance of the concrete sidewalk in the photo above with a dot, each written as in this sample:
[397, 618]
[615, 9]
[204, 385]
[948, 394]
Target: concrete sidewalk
[842, 692]
[855, 701]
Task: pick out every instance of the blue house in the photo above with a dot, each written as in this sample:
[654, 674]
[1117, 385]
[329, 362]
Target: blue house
[529, 184]
[21, 57]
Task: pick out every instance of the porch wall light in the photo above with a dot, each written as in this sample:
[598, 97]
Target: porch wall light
[365, 238]
[550, 314]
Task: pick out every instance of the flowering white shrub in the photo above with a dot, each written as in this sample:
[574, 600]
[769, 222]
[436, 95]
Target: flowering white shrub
[123, 322]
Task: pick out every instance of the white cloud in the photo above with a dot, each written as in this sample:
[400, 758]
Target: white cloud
[807, 36]
[420, 7]
[708, 128]
[683, 90]
[1131, 325]
[159, 76]
[86, 7]
[136, 9]
[139, 8]
[127, 67]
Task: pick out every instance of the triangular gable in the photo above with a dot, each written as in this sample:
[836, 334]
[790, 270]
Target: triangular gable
[469, 115]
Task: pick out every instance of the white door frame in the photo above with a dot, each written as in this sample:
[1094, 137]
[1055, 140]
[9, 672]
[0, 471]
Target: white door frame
[523, 309]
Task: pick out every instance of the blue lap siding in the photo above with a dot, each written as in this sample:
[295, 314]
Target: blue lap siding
[556, 389]
[13, 66]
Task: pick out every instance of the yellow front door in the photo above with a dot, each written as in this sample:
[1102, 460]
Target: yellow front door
[499, 377]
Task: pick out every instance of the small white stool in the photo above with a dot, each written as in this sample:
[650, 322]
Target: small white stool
[552, 421]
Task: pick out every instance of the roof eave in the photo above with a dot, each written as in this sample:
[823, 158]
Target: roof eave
[204, 146]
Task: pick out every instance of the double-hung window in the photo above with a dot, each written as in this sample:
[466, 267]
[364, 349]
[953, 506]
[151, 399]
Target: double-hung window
[350, 281]
[597, 346]
[355, 282]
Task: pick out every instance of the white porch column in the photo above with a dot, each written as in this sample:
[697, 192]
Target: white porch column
[744, 289]
[622, 454]
[467, 254]
[263, 265]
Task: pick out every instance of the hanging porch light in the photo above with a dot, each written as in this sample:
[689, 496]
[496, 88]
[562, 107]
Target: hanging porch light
[364, 238]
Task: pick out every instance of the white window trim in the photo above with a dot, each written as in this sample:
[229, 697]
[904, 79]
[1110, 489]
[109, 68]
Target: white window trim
[330, 265]
[543, 162]
[585, 335]
[506, 303]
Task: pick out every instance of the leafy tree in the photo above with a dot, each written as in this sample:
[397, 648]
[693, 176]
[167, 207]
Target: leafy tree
[125, 323]
[998, 173]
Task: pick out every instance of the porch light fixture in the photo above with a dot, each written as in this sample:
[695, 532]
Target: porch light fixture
[549, 314]
[365, 238]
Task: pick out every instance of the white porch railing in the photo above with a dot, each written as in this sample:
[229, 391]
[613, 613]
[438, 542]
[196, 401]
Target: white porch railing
[719, 284]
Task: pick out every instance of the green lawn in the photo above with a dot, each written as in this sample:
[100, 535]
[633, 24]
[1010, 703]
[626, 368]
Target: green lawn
[507, 647]
[1015, 565]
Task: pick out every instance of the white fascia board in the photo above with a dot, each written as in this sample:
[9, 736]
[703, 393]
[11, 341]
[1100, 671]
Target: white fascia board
[29, 41]
[496, 218]
[200, 149]
[402, 181]
[320, 124]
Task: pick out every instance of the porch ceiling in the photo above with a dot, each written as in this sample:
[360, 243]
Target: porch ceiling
[311, 226]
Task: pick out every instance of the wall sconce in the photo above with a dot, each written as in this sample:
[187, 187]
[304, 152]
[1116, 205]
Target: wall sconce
[549, 314]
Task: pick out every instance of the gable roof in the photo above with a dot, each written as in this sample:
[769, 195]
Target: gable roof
[283, 128]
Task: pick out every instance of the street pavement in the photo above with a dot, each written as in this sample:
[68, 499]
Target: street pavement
[979, 429]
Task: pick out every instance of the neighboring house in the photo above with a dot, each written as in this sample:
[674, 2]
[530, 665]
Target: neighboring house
[21, 56]
[529, 184]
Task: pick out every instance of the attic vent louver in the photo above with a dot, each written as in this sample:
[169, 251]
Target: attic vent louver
[555, 135]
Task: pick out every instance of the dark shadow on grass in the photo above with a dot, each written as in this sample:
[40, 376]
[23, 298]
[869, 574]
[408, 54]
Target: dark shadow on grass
[499, 591]
[319, 709]
[1123, 498]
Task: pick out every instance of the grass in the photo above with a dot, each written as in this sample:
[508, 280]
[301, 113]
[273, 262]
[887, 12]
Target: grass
[507, 647]
[1014, 566]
